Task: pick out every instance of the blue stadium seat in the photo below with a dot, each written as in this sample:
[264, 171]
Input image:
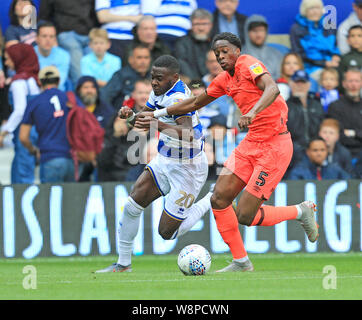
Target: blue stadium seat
[282, 48]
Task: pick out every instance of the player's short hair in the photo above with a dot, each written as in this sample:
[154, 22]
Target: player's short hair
[332, 71]
[332, 123]
[45, 24]
[98, 33]
[355, 27]
[169, 62]
[228, 36]
[317, 138]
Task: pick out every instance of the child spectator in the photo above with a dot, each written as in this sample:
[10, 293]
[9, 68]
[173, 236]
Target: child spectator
[315, 165]
[353, 59]
[19, 30]
[291, 63]
[328, 91]
[100, 64]
[337, 153]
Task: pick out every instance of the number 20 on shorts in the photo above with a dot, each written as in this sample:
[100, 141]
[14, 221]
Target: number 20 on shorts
[186, 200]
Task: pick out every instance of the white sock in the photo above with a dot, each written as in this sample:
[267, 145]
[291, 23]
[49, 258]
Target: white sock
[241, 260]
[198, 210]
[127, 230]
[299, 215]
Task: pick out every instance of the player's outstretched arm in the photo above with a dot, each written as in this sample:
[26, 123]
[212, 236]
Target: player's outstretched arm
[183, 107]
[190, 105]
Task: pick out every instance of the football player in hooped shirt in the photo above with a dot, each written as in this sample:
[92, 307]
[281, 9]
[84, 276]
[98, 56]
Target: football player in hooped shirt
[259, 162]
[179, 170]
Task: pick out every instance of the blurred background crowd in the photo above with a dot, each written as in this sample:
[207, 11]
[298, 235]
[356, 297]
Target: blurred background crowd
[101, 51]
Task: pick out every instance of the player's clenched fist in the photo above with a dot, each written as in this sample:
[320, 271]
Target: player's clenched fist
[246, 119]
[125, 112]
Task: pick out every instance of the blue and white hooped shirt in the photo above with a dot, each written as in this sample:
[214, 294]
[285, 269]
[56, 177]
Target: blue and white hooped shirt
[172, 147]
[122, 30]
[173, 16]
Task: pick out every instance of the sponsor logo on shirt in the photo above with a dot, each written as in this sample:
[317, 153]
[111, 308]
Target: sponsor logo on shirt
[256, 68]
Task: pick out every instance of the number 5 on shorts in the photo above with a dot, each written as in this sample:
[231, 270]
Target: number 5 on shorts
[261, 178]
[186, 200]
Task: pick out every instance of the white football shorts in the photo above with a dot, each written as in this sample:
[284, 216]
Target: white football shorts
[180, 181]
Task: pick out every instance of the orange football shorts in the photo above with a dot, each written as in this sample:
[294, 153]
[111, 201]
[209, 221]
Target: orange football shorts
[261, 165]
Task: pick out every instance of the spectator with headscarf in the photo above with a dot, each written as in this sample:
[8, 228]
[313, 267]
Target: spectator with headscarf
[24, 84]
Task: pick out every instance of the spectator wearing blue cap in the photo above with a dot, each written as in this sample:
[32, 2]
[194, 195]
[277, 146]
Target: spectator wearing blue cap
[305, 113]
[353, 19]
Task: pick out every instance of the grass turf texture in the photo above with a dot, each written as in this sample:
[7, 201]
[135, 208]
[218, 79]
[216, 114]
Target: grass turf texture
[276, 276]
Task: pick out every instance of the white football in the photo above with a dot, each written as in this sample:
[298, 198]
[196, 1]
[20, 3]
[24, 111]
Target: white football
[194, 260]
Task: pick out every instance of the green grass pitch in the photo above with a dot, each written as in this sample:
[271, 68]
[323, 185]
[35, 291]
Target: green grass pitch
[276, 276]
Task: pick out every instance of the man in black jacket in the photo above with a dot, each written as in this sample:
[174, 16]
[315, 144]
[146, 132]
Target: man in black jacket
[73, 21]
[348, 111]
[305, 114]
[122, 82]
[227, 19]
[191, 49]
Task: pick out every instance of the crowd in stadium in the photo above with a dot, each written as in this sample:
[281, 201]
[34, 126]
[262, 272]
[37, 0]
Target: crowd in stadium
[103, 50]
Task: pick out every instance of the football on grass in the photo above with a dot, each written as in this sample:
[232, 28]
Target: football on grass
[194, 260]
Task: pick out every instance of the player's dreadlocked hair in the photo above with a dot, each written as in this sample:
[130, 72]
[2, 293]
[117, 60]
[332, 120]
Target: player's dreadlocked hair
[228, 36]
[169, 62]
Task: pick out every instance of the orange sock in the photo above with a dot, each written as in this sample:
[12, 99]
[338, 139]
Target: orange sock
[269, 215]
[228, 226]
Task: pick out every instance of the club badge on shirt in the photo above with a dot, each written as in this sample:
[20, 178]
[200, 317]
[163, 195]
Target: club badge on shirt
[256, 68]
[176, 101]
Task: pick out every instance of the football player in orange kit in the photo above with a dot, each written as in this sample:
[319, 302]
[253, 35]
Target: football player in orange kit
[259, 162]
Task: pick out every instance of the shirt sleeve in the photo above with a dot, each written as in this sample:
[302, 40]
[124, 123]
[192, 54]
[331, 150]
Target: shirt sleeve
[28, 119]
[216, 88]
[11, 34]
[63, 66]
[253, 68]
[102, 4]
[177, 98]
[151, 102]
[18, 90]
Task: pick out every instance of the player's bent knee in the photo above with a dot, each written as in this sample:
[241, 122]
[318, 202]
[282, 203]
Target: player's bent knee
[165, 233]
[244, 218]
[218, 201]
